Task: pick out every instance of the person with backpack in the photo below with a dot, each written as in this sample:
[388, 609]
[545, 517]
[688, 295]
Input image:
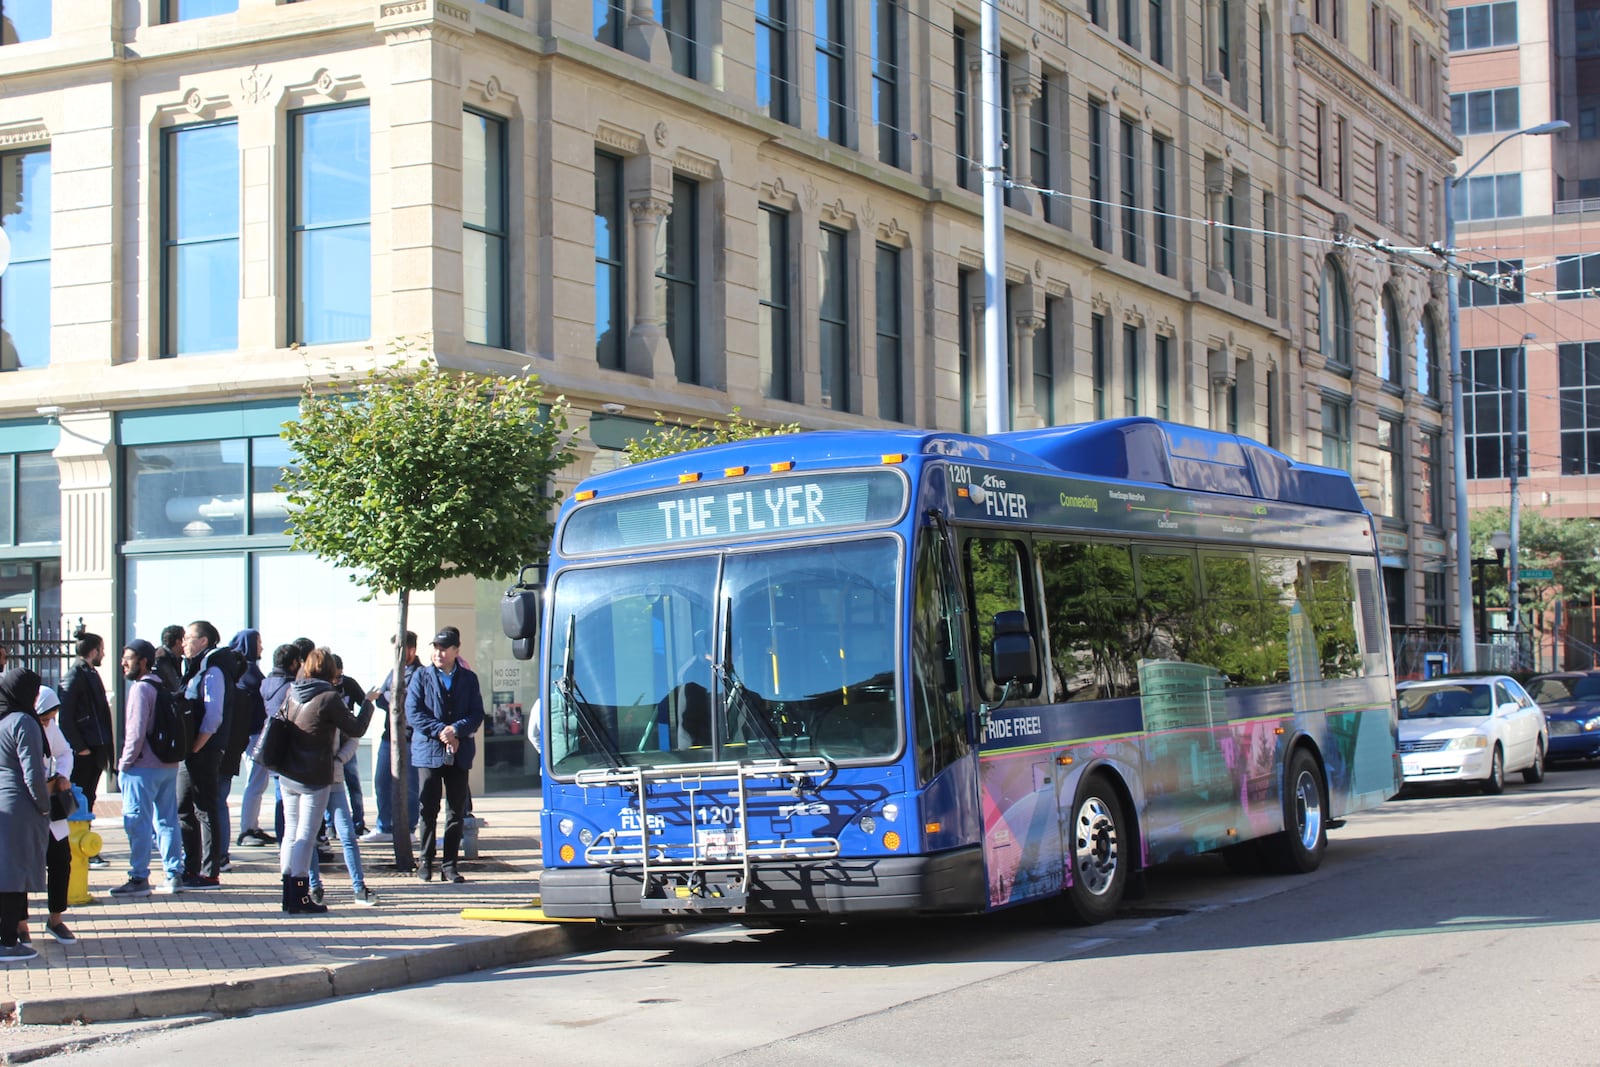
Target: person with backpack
[247, 716]
[207, 697]
[152, 751]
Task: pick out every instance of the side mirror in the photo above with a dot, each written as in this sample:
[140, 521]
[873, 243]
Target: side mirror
[1012, 654]
[1510, 707]
[520, 610]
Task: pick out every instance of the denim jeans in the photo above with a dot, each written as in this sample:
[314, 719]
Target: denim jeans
[302, 814]
[383, 787]
[255, 787]
[150, 796]
[344, 823]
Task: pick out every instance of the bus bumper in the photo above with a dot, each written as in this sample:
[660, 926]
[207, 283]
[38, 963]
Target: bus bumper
[948, 882]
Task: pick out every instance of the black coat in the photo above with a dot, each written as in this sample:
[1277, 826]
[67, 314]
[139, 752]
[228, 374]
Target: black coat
[85, 716]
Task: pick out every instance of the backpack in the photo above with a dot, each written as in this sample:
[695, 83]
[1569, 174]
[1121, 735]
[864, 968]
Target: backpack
[167, 736]
[233, 667]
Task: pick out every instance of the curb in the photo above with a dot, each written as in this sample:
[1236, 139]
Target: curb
[307, 984]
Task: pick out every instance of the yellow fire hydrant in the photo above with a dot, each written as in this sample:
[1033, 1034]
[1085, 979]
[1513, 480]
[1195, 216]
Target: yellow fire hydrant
[86, 845]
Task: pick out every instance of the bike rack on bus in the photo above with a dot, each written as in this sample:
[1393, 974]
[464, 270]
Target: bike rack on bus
[678, 869]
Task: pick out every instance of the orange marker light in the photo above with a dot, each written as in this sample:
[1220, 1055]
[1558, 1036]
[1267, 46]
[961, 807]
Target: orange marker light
[733, 472]
[567, 853]
[783, 465]
[932, 827]
[684, 479]
[891, 841]
[1064, 761]
[583, 494]
[894, 457]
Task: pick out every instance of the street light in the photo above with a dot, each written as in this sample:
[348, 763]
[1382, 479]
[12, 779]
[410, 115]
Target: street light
[1458, 431]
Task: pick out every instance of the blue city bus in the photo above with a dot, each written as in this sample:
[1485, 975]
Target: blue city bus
[836, 675]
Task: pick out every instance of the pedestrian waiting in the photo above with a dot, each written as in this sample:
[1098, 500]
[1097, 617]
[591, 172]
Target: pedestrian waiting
[24, 809]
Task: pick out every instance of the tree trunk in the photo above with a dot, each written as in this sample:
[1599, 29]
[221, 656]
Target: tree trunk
[399, 750]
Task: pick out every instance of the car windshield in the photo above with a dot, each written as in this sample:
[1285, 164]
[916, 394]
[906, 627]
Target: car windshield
[1555, 687]
[726, 656]
[1446, 702]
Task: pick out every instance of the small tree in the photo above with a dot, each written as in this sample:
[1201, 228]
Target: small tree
[411, 474]
[669, 439]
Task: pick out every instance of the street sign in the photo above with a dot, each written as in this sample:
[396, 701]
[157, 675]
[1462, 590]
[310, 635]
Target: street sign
[1536, 574]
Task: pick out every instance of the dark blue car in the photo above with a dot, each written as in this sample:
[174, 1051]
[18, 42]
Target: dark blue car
[1571, 703]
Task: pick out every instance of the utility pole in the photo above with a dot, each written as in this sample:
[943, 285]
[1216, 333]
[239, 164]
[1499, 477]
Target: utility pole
[996, 379]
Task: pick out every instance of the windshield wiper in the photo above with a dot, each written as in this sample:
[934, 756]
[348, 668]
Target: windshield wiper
[587, 720]
[734, 689]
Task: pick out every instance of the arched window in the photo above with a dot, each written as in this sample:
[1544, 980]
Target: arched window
[1334, 322]
[1391, 341]
[1428, 353]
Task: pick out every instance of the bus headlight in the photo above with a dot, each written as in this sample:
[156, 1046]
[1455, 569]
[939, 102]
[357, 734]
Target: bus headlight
[565, 826]
[1468, 741]
[868, 823]
[586, 836]
[891, 812]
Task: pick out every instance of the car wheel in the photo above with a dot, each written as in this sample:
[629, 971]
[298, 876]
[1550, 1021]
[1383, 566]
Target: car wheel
[1535, 774]
[1299, 847]
[1495, 784]
[1100, 853]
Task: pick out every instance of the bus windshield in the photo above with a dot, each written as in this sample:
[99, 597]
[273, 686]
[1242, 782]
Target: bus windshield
[722, 656]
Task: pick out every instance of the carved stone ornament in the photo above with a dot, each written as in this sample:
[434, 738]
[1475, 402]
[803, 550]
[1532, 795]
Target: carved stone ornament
[254, 85]
[491, 89]
[661, 134]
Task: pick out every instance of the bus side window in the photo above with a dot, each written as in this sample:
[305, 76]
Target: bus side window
[995, 583]
[1333, 619]
[1168, 604]
[939, 720]
[1089, 610]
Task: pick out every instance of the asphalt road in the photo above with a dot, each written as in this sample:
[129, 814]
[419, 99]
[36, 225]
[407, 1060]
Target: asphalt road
[1448, 929]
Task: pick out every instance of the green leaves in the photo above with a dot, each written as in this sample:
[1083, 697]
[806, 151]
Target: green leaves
[412, 474]
[669, 439]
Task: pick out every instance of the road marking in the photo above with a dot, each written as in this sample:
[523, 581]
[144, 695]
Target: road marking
[1543, 811]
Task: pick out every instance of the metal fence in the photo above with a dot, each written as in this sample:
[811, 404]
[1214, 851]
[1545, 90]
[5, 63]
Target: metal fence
[1503, 651]
[47, 648]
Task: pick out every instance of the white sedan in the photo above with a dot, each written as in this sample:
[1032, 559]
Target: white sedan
[1475, 729]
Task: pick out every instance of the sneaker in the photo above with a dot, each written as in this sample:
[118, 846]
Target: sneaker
[259, 836]
[201, 881]
[60, 932]
[227, 865]
[316, 894]
[366, 897]
[18, 953]
[133, 887]
[99, 862]
[170, 887]
[376, 837]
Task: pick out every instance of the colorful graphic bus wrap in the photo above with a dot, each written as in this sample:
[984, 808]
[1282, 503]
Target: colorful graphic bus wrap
[889, 672]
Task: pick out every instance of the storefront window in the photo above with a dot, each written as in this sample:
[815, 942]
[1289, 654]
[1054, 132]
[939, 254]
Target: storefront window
[197, 489]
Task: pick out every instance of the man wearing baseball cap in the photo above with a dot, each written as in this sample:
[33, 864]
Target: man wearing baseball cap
[444, 708]
[149, 786]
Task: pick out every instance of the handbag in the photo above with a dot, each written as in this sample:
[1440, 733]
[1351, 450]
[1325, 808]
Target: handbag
[273, 745]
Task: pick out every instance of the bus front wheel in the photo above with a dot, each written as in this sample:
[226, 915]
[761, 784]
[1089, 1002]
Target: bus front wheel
[1299, 847]
[1101, 852]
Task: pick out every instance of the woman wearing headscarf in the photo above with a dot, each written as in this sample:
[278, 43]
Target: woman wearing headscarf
[317, 713]
[58, 781]
[24, 808]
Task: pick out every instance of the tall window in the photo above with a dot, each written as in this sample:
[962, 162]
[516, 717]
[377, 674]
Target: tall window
[1577, 277]
[1044, 354]
[610, 333]
[1161, 202]
[1427, 356]
[1391, 473]
[1580, 407]
[30, 501]
[1132, 246]
[1503, 281]
[1039, 148]
[25, 285]
[887, 29]
[1128, 22]
[959, 78]
[1483, 26]
[610, 20]
[1157, 33]
[776, 296]
[1391, 347]
[1130, 369]
[1486, 111]
[1225, 38]
[1274, 405]
[330, 258]
[1098, 179]
[1319, 115]
[833, 318]
[1336, 432]
[1431, 489]
[1163, 376]
[183, 10]
[1489, 196]
[969, 291]
[1334, 322]
[1230, 223]
[1269, 253]
[773, 89]
[200, 246]
[24, 20]
[1099, 12]
[1265, 66]
[832, 110]
[1102, 363]
[484, 237]
[677, 18]
[1487, 375]
[681, 272]
[891, 355]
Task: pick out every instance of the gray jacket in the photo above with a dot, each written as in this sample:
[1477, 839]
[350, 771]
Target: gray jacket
[24, 804]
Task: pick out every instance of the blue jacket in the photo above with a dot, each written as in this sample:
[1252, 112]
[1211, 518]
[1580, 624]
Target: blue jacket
[430, 708]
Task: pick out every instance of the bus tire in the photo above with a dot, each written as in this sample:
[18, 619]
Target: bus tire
[1100, 853]
[1298, 848]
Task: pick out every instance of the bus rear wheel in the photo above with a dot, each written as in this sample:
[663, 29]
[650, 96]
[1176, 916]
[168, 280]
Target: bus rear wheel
[1299, 847]
[1100, 853]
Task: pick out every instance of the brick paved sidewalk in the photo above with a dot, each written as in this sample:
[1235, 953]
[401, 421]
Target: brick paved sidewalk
[233, 948]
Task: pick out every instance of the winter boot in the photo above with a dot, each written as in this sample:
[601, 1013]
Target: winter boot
[304, 905]
[290, 900]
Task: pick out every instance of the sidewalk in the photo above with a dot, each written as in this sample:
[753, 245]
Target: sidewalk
[232, 950]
